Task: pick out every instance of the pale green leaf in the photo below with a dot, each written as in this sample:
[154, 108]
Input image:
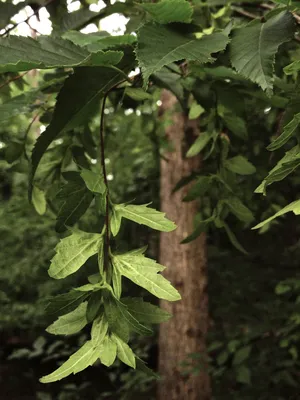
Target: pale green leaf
[78, 361]
[39, 200]
[195, 111]
[292, 68]
[199, 144]
[292, 207]
[253, 48]
[71, 323]
[142, 214]
[72, 252]
[115, 220]
[145, 312]
[288, 131]
[117, 283]
[167, 11]
[94, 181]
[160, 45]
[240, 165]
[18, 53]
[107, 351]
[99, 330]
[144, 272]
[124, 352]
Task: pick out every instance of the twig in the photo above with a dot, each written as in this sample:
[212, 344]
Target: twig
[271, 7]
[15, 78]
[245, 13]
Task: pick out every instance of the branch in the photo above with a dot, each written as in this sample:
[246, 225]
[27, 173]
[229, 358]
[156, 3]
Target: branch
[15, 78]
[271, 7]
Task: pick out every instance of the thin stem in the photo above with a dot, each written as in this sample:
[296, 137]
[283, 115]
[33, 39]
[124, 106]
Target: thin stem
[102, 152]
[15, 78]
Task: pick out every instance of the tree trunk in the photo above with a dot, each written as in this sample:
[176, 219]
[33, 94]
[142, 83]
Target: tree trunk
[185, 333]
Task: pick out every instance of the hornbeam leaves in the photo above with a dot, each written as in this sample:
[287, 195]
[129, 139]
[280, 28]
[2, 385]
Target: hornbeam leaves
[144, 272]
[160, 45]
[72, 252]
[253, 48]
[167, 11]
[146, 216]
[70, 323]
[19, 53]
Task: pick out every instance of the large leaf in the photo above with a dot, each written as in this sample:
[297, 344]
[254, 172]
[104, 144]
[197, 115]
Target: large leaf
[293, 207]
[144, 272]
[253, 48]
[167, 11]
[78, 361]
[288, 131]
[145, 312]
[160, 45]
[75, 199]
[124, 352]
[70, 323]
[18, 53]
[72, 252]
[146, 216]
[76, 101]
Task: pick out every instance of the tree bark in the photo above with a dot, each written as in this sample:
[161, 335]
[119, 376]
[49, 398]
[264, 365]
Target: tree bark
[185, 333]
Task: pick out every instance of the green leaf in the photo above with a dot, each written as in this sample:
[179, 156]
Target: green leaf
[99, 330]
[159, 45]
[72, 252]
[253, 48]
[233, 239]
[145, 312]
[117, 283]
[243, 375]
[76, 101]
[75, 200]
[146, 216]
[107, 351]
[115, 322]
[78, 361]
[39, 200]
[115, 220]
[94, 181]
[241, 355]
[236, 125]
[93, 306]
[64, 303]
[199, 144]
[137, 94]
[199, 189]
[144, 272]
[240, 165]
[167, 11]
[99, 41]
[124, 352]
[288, 131]
[171, 81]
[239, 209]
[292, 207]
[70, 323]
[201, 227]
[196, 110]
[292, 68]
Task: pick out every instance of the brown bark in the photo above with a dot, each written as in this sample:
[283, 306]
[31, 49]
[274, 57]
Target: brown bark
[185, 333]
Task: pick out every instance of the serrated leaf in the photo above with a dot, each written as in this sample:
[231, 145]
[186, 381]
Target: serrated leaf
[72, 252]
[241, 355]
[83, 358]
[144, 272]
[39, 200]
[70, 323]
[199, 144]
[142, 214]
[137, 94]
[288, 131]
[75, 200]
[239, 209]
[76, 101]
[93, 306]
[167, 11]
[292, 207]
[94, 181]
[99, 330]
[145, 312]
[107, 351]
[240, 165]
[160, 45]
[124, 352]
[115, 220]
[97, 41]
[64, 303]
[253, 48]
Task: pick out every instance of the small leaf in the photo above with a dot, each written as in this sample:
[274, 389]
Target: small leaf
[107, 351]
[64, 303]
[243, 375]
[99, 330]
[195, 111]
[39, 200]
[240, 165]
[72, 252]
[167, 11]
[124, 352]
[202, 226]
[71, 323]
[199, 189]
[199, 144]
[288, 131]
[115, 220]
[117, 283]
[233, 239]
[137, 94]
[241, 355]
[78, 361]
[94, 181]
[145, 312]
[292, 207]
[146, 216]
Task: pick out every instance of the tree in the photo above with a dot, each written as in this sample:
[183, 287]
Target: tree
[175, 46]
